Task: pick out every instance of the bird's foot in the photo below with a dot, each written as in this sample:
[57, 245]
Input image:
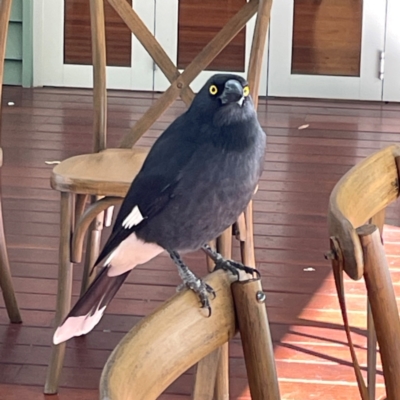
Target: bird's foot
[229, 265]
[191, 281]
[200, 288]
[235, 267]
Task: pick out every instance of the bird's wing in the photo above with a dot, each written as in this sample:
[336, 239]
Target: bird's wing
[154, 186]
[147, 196]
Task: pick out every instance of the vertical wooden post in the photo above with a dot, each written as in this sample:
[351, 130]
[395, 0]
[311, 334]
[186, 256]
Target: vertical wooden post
[6, 283]
[98, 32]
[79, 208]
[5, 273]
[64, 292]
[253, 77]
[218, 361]
[383, 306]
[99, 75]
[371, 353]
[258, 47]
[247, 246]
[224, 247]
[251, 313]
[206, 374]
[210, 262]
[378, 220]
[5, 11]
[92, 248]
[92, 252]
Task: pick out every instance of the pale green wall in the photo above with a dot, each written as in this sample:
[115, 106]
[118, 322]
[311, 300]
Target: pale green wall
[18, 61]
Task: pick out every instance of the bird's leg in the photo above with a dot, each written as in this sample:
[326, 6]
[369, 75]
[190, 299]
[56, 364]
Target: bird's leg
[228, 265]
[194, 283]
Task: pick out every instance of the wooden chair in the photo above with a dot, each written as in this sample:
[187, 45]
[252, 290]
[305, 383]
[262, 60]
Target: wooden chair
[5, 274]
[356, 217]
[106, 174]
[141, 367]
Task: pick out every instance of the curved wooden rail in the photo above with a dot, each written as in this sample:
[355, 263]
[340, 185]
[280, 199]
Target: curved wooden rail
[359, 195]
[168, 342]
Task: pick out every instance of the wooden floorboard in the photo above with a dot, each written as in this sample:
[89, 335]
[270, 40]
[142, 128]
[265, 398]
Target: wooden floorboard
[302, 166]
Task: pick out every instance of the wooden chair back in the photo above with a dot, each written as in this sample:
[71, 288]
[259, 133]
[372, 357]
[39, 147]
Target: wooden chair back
[179, 81]
[361, 196]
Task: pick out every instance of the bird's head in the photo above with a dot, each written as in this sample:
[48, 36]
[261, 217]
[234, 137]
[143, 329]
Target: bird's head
[225, 98]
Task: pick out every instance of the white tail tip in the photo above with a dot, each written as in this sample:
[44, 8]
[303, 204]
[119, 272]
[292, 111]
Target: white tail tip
[77, 326]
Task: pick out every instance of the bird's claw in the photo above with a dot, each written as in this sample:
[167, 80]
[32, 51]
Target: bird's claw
[203, 291]
[204, 298]
[235, 268]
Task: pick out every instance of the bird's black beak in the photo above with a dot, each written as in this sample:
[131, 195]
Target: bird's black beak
[232, 93]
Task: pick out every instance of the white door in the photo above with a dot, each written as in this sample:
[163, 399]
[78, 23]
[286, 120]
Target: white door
[179, 22]
[391, 66]
[327, 48]
[50, 67]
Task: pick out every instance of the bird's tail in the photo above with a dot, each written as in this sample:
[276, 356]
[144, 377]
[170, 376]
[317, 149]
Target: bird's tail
[89, 309]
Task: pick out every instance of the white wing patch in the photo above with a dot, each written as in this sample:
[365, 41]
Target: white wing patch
[134, 218]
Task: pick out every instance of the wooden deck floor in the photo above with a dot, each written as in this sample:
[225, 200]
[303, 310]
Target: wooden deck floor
[291, 237]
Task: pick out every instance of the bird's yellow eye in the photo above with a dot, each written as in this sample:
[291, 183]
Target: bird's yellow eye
[213, 90]
[246, 91]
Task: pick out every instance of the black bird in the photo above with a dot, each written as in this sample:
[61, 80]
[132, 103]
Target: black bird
[197, 179]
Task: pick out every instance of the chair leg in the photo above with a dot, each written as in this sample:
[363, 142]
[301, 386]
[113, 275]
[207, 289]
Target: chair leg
[247, 246]
[224, 247]
[371, 353]
[214, 368]
[379, 221]
[240, 228]
[92, 250]
[6, 284]
[210, 262]
[221, 391]
[80, 203]
[383, 306]
[108, 216]
[206, 373]
[63, 294]
[255, 334]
